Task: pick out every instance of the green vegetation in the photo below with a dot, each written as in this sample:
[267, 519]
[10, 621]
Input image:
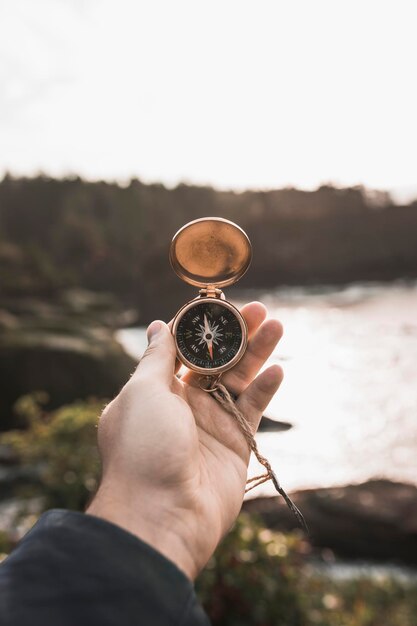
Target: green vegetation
[56, 234]
[253, 578]
[362, 602]
[60, 450]
[256, 577]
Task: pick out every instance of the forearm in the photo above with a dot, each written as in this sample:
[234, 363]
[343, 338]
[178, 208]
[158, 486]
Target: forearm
[153, 518]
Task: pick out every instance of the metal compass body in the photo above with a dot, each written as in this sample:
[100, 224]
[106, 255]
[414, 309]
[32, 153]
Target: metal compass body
[210, 333]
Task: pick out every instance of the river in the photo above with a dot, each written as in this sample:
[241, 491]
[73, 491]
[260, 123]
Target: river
[350, 388]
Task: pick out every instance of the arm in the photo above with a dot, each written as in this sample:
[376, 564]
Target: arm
[174, 473]
[174, 462]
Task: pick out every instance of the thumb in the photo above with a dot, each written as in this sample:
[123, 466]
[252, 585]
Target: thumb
[158, 361]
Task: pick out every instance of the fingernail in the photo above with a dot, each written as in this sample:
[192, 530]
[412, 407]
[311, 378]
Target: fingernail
[153, 329]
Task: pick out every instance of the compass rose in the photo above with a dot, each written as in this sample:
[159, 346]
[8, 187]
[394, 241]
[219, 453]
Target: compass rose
[209, 334]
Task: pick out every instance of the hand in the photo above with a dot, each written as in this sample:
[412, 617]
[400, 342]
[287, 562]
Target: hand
[174, 461]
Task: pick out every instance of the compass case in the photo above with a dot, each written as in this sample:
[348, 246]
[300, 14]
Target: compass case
[209, 369]
[210, 251]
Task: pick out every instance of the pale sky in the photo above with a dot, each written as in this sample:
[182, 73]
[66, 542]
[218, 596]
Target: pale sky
[234, 93]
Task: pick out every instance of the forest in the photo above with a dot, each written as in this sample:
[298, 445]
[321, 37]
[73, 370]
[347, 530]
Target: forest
[105, 237]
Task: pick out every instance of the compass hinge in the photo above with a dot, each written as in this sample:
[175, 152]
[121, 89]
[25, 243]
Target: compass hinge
[210, 292]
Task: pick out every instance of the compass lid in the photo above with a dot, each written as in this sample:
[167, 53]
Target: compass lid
[210, 251]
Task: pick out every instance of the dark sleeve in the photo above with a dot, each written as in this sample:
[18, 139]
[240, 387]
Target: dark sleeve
[74, 569]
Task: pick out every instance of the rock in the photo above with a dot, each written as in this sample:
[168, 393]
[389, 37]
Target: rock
[374, 520]
[8, 320]
[68, 305]
[70, 363]
[271, 425]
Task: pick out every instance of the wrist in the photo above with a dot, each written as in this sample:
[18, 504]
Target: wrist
[154, 520]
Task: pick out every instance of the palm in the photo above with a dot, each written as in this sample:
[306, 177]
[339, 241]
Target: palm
[221, 453]
[204, 456]
[199, 444]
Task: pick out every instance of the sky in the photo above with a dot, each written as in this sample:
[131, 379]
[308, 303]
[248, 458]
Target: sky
[234, 93]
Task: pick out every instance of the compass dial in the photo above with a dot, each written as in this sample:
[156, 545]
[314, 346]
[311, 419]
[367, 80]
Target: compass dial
[210, 335]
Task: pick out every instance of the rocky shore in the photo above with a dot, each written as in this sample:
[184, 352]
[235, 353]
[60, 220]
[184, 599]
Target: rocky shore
[65, 349]
[374, 520]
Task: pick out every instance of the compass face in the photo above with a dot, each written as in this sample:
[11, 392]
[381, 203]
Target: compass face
[210, 335]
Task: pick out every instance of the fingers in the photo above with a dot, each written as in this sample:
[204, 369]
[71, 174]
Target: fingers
[254, 400]
[254, 314]
[259, 350]
[158, 361]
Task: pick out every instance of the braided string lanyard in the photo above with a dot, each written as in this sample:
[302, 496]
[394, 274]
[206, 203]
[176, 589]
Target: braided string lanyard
[213, 386]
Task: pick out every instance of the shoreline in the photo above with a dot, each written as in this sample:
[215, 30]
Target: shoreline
[375, 520]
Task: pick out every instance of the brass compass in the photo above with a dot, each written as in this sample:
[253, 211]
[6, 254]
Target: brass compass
[210, 334]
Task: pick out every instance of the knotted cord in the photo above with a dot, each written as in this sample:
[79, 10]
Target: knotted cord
[218, 391]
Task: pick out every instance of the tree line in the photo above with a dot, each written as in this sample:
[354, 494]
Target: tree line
[103, 236]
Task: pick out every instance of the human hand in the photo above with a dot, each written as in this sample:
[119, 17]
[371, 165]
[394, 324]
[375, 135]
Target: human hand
[174, 461]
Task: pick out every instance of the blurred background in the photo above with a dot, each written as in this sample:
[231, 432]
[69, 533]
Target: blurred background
[119, 123]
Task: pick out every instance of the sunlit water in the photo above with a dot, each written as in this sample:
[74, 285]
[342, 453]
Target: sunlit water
[350, 387]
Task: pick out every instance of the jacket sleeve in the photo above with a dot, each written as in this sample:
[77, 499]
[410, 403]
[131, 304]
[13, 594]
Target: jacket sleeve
[74, 569]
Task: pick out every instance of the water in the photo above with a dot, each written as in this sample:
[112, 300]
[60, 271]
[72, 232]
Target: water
[350, 387]
[347, 570]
